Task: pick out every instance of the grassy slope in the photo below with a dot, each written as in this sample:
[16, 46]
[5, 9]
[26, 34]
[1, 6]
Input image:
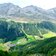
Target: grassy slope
[31, 38]
[23, 41]
[49, 34]
[29, 47]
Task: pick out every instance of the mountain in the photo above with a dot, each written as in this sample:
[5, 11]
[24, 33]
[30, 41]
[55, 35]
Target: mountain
[34, 12]
[8, 9]
[52, 12]
[11, 10]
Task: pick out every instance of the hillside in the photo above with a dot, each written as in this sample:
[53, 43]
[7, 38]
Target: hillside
[10, 30]
[28, 31]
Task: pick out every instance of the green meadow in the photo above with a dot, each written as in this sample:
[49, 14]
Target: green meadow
[27, 39]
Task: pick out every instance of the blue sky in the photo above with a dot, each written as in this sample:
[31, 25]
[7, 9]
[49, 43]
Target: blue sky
[45, 4]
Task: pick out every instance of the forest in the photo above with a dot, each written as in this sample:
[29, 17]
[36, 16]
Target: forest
[27, 39]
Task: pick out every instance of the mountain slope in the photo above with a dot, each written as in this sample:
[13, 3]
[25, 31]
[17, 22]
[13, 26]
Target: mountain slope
[52, 12]
[8, 9]
[11, 10]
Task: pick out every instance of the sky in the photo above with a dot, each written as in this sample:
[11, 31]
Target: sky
[45, 4]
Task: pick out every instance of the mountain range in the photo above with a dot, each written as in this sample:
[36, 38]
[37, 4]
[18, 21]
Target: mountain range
[11, 10]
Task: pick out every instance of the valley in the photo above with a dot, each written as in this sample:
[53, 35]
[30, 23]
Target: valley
[27, 39]
[27, 31]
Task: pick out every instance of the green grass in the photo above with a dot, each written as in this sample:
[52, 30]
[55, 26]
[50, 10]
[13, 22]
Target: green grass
[21, 41]
[30, 38]
[49, 35]
[4, 47]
